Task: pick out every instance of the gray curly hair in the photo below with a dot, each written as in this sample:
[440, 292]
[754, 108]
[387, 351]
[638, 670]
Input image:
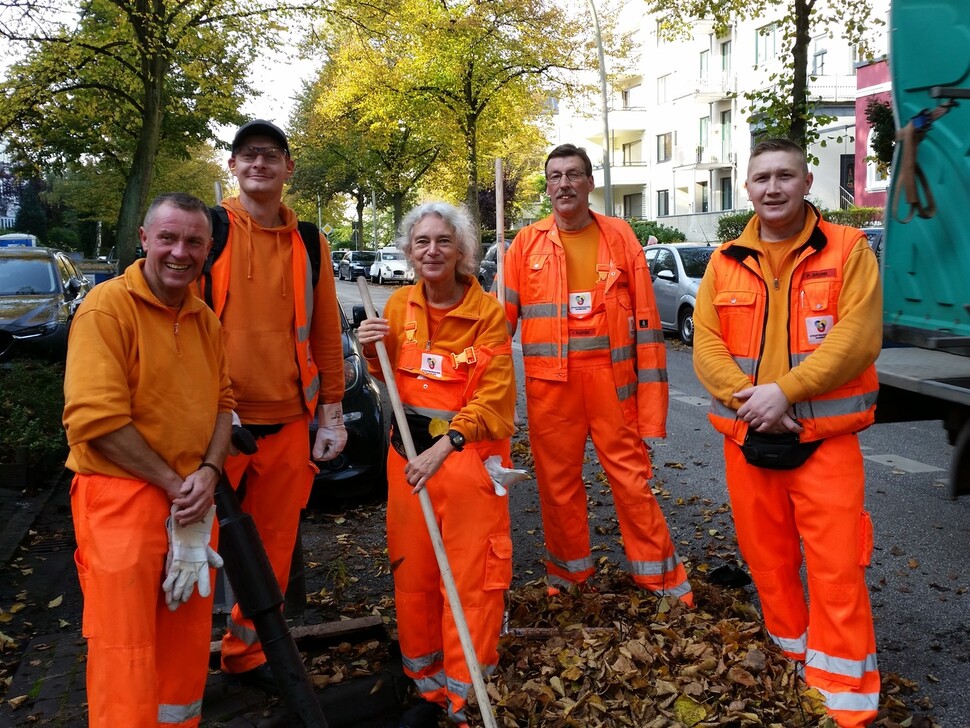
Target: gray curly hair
[458, 219]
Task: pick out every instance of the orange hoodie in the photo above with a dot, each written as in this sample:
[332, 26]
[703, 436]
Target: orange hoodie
[257, 322]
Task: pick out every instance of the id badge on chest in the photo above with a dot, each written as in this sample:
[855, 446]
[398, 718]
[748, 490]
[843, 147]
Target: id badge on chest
[431, 364]
[580, 303]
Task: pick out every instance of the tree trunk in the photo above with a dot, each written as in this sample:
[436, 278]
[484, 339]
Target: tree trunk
[799, 108]
[471, 193]
[135, 197]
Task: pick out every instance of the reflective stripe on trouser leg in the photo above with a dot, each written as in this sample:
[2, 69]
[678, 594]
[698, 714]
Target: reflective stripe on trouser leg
[146, 664]
[278, 481]
[823, 504]
[474, 525]
[653, 560]
[557, 434]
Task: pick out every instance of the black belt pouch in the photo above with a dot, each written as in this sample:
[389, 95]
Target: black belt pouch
[777, 452]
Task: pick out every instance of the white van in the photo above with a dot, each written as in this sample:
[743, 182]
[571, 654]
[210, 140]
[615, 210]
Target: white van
[391, 266]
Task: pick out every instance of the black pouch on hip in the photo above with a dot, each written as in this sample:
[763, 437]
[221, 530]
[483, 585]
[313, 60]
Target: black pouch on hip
[420, 427]
[777, 452]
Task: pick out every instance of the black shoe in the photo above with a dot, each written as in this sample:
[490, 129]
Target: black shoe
[259, 677]
[422, 715]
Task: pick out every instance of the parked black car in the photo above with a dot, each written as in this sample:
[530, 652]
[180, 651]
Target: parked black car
[487, 268]
[356, 263]
[335, 257]
[359, 472]
[40, 289]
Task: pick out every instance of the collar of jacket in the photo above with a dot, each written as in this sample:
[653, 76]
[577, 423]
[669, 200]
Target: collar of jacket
[548, 224]
[738, 251]
[137, 284]
[417, 298]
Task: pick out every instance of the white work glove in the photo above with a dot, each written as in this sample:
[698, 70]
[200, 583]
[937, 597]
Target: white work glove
[501, 476]
[331, 433]
[189, 559]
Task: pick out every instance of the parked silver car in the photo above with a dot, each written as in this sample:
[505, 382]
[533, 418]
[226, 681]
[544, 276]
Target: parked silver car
[676, 270]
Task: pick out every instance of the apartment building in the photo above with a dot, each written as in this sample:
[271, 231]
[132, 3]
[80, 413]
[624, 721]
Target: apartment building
[679, 135]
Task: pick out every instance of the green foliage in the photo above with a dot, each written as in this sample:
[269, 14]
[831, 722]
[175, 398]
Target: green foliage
[663, 233]
[857, 217]
[880, 116]
[730, 226]
[31, 404]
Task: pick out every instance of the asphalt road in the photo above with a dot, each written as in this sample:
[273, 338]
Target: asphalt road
[918, 581]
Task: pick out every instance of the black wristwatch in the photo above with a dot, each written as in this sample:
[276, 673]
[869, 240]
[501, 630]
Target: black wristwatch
[457, 439]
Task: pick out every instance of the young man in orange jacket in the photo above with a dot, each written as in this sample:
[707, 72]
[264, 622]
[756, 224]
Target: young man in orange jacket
[595, 365]
[282, 337]
[788, 326]
[147, 409]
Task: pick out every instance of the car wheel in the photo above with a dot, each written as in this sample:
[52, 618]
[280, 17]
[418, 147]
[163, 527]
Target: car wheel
[380, 279]
[685, 325]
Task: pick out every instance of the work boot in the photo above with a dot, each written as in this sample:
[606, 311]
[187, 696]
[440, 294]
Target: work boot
[422, 715]
[259, 677]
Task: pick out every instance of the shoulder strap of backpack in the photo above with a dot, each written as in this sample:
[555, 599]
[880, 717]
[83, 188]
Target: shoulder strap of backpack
[311, 241]
[220, 234]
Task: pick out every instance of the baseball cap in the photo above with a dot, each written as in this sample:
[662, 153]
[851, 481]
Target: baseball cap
[260, 127]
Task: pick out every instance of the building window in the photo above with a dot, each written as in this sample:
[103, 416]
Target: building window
[665, 147]
[705, 195]
[727, 194]
[633, 206]
[726, 57]
[704, 65]
[767, 42]
[818, 56]
[726, 135]
[876, 177]
[663, 203]
[662, 81]
[633, 152]
[631, 97]
[703, 132]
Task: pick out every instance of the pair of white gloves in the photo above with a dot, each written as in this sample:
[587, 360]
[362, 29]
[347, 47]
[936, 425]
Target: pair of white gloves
[189, 559]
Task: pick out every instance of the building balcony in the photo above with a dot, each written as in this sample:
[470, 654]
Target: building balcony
[633, 174]
[703, 157]
[832, 88]
[713, 87]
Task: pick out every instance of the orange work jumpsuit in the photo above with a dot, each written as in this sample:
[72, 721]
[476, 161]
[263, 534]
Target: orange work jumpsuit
[436, 378]
[817, 506]
[598, 371]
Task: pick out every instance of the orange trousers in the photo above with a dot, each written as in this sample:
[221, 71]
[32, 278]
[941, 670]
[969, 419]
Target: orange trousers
[278, 480]
[562, 415]
[146, 665]
[475, 529]
[819, 506]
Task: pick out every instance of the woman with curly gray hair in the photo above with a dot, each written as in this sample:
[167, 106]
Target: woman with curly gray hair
[449, 345]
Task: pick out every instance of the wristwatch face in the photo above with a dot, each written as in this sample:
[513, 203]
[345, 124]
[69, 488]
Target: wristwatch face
[457, 439]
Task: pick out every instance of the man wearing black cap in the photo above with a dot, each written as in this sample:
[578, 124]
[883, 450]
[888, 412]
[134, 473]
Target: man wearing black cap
[282, 334]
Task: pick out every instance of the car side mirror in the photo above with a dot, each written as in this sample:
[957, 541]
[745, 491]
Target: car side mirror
[667, 275]
[358, 313]
[73, 287]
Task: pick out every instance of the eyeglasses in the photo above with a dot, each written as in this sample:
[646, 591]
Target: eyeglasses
[573, 175]
[271, 155]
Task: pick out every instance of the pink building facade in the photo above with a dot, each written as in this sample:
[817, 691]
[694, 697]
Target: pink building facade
[872, 81]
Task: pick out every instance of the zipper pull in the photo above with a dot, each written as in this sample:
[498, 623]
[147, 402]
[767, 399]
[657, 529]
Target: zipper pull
[776, 284]
[176, 328]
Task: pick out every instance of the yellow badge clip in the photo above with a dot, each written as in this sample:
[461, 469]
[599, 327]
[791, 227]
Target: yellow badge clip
[465, 357]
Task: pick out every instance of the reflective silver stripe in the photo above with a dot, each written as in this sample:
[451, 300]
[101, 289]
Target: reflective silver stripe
[746, 364]
[653, 568]
[246, 635]
[553, 580]
[432, 413]
[589, 343]
[310, 391]
[651, 376]
[850, 701]
[795, 645]
[623, 353]
[457, 687]
[431, 684]
[679, 590]
[179, 713]
[626, 391]
[511, 296]
[540, 350]
[576, 566]
[722, 410]
[649, 336]
[818, 408]
[542, 310]
[840, 665]
[422, 662]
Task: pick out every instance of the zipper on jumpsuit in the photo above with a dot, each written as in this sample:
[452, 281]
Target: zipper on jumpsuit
[764, 321]
[175, 327]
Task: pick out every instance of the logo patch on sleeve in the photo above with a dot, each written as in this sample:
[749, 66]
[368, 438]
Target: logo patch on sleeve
[643, 324]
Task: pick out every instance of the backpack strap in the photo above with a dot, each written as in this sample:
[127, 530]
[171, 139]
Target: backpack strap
[311, 241]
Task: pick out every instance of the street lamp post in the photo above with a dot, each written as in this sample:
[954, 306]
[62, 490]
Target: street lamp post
[607, 185]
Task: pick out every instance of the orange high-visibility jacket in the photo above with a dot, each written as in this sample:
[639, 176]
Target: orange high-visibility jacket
[304, 299]
[838, 361]
[536, 292]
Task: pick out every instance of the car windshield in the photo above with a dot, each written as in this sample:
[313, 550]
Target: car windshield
[26, 276]
[365, 256]
[695, 261]
[393, 255]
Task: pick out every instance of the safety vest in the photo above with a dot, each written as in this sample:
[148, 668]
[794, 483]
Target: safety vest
[436, 380]
[635, 339]
[302, 308]
[813, 309]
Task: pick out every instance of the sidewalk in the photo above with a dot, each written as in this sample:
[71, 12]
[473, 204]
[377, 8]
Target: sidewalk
[47, 684]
